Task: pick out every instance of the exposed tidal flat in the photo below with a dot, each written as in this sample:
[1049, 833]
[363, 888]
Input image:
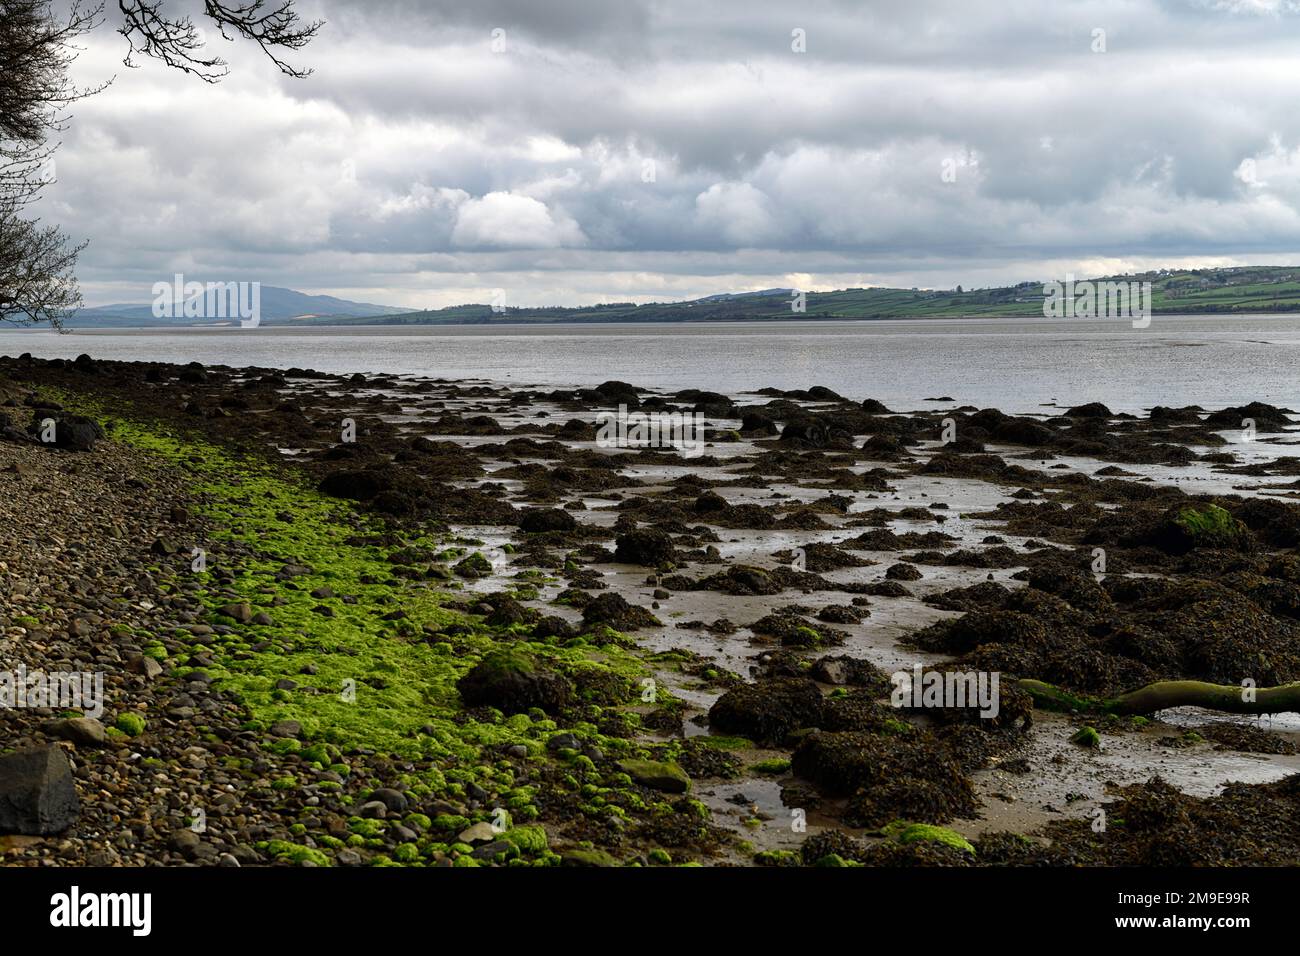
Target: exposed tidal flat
[366, 618]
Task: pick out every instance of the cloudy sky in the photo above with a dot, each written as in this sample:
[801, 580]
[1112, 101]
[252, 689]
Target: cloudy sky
[577, 151]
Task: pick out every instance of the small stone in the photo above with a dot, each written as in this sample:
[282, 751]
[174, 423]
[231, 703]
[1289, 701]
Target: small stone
[241, 612]
[478, 833]
[82, 731]
[489, 850]
[246, 854]
[185, 841]
[657, 775]
[589, 858]
[286, 728]
[392, 799]
[565, 741]
[403, 834]
[103, 856]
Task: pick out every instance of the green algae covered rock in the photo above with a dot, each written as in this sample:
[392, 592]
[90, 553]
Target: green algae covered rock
[512, 681]
[905, 832]
[657, 775]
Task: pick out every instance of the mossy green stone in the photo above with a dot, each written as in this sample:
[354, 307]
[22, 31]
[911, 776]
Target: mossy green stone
[905, 832]
[131, 724]
[657, 775]
[589, 858]
[1086, 737]
[530, 839]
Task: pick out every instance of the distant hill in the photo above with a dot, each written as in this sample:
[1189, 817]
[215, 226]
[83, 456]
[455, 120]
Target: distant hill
[278, 307]
[1244, 289]
[1237, 290]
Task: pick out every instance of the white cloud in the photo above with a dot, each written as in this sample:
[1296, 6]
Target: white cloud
[655, 149]
[737, 212]
[505, 221]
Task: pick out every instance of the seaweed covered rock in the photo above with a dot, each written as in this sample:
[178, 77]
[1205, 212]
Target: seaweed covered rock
[815, 433]
[506, 611]
[854, 671]
[884, 446]
[1275, 523]
[614, 610]
[1184, 529]
[769, 710]
[756, 423]
[887, 775]
[981, 627]
[903, 572]
[741, 579]
[795, 631]
[1077, 588]
[648, 547]
[512, 681]
[827, 843]
[986, 594]
[1090, 410]
[906, 832]
[821, 556]
[541, 520]
[1223, 636]
[1266, 418]
[710, 502]
[353, 485]
[475, 565]
[1024, 431]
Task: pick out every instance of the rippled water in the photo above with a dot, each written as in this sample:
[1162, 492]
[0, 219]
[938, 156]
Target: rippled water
[1014, 364]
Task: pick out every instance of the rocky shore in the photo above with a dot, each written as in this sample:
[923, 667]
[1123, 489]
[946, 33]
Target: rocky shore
[375, 620]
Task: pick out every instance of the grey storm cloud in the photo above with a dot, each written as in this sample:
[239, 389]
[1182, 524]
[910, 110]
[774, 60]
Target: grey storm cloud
[583, 151]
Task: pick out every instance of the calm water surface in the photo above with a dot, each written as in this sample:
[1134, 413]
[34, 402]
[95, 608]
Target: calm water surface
[1013, 364]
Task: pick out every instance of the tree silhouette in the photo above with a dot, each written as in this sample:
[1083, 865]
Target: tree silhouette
[37, 47]
[176, 41]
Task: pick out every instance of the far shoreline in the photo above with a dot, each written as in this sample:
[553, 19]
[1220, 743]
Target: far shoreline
[328, 326]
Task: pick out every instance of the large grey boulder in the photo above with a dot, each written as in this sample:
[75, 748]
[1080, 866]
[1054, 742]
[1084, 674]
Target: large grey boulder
[37, 793]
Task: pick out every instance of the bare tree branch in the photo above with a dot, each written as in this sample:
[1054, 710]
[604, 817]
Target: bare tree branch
[176, 41]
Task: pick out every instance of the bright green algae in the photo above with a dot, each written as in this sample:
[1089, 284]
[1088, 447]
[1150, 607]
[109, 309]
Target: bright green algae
[390, 684]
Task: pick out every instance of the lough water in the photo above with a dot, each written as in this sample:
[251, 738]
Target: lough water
[1023, 365]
